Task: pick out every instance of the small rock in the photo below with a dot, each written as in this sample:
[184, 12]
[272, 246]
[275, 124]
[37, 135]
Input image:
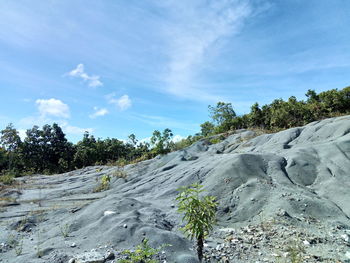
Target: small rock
[73, 245]
[306, 243]
[172, 206]
[72, 260]
[125, 226]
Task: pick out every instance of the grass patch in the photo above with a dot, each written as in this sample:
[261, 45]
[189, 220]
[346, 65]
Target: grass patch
[104, 184]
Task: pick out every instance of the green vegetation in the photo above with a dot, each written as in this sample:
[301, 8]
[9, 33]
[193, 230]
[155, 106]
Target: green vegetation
[199, 214]
[47, 150]
[143, 253]
[65, 230]
[7, 179]
[295, 253]
[104, 184]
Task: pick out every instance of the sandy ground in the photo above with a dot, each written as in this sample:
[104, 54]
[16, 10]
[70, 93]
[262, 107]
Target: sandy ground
[277, 193]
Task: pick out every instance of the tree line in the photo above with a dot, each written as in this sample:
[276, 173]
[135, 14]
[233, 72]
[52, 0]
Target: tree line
[47, 150]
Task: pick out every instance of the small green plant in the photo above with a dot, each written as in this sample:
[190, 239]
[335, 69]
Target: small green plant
[199, 214]
[65, 230]
[104, 185]
[16, 244]
[143, 253]
[295, 252]
[19, 247]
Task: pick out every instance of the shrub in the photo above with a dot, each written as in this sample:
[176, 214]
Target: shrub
[199, 214]
[104, 185]
[7, 179]
[143, 253]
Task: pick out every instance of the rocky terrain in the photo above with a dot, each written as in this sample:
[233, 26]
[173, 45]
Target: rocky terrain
[282, 197]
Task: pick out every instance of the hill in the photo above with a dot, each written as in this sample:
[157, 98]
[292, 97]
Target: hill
[277, 193]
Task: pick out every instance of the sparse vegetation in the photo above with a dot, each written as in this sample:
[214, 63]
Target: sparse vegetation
[199, 214]
[65, 230]
[143, 253]
[7, 179]
[104, 184]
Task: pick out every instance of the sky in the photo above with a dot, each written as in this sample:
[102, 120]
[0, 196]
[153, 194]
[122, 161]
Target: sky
[119, 67]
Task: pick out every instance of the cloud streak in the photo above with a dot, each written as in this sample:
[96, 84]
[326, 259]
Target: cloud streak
[79, 72]
[98, 113]
[195, 34]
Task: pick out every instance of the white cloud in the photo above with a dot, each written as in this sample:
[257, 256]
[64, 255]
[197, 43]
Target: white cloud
[177, 138]
[52, 107]
[76, 130]
[195, 35]
[123, 103]
[79, 72]
[22, 133]
[98, 112]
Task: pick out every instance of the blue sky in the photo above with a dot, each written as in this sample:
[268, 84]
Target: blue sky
[129, 66]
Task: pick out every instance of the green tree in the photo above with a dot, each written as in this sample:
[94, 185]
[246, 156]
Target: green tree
[223, 115]
[161, 141]
[256, 116]
[199, 214]
[207, 128]
[12, 143]
[86, 151]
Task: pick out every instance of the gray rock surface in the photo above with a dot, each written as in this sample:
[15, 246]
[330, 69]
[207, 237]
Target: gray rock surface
[294, 180]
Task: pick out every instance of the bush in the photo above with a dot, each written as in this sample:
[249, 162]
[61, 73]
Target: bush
[7, 179]
[104, 185]
[143, 253]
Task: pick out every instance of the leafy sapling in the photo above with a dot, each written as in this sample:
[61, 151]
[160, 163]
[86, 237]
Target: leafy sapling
[199, 213]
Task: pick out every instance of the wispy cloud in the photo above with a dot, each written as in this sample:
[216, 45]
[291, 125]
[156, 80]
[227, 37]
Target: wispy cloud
[98, 113]
[122, 103]
[79, 72]
[194, 36]
[165, 122]
[52, 107]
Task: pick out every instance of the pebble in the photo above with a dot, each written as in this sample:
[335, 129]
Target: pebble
[73, 245]
[125, 226]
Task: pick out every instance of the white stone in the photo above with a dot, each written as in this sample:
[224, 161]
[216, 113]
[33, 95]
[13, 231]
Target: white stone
[306, 243]
[108, 212]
